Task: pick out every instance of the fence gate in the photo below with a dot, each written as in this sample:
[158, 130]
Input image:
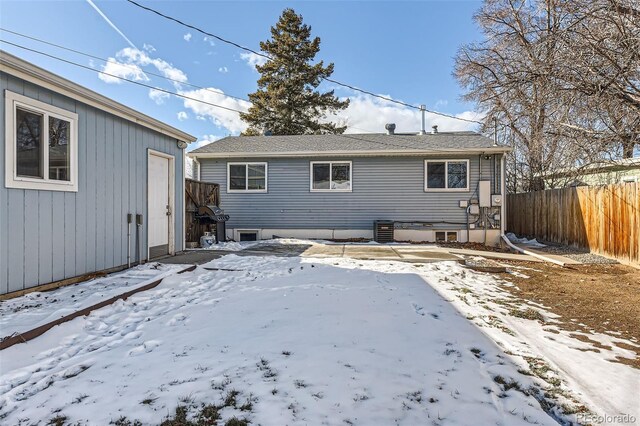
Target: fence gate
[198, 194]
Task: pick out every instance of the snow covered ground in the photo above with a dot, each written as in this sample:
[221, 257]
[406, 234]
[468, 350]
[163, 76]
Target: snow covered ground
[307, 341]
[34, 309]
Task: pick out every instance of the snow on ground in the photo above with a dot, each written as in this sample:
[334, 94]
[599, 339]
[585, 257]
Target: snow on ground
[302, 341]
[586, 368]
[34, 309]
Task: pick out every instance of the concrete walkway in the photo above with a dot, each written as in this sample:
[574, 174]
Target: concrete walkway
[426, 253]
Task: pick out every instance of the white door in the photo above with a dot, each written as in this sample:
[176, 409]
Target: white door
[159, 205]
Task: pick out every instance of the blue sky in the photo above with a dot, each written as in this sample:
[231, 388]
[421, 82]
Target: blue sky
[399, 49]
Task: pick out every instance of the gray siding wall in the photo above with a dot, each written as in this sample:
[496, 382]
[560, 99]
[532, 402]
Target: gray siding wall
[383, 188]
[47, 236]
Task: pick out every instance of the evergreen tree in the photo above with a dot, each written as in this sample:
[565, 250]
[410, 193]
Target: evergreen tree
[287, 102]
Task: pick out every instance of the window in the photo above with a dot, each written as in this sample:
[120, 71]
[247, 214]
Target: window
[331, 176]
[446, 236]
[446, 175]
[41, 145]
[246, 177]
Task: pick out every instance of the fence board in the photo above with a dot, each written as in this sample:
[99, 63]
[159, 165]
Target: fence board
[197, 194]
[603, 219]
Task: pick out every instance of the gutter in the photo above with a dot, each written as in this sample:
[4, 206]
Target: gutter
[503, 222]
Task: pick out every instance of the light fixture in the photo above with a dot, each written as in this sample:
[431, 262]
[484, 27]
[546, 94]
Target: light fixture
[182, 144]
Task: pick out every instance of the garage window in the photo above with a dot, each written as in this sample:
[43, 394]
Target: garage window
[41, 145]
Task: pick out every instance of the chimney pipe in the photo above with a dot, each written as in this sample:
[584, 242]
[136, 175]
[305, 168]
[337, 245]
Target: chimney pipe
[423, 110]
[391, 127]
[435, 129]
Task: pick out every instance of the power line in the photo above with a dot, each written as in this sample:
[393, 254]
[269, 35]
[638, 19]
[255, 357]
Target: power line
[355, 137]
[247, 49]
[133, 67]
[121, 78]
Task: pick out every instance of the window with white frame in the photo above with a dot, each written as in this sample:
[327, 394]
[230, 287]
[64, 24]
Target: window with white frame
[331, 176]
[446, 236]
[41, 145]
[446, 175]
[246, 177]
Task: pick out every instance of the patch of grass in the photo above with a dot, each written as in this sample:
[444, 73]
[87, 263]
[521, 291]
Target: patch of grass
[179, 418]
[286, 353]
[208, 415]
[230, 400]
[476, 352]
[78, 399]
[529, 313]
[222, 385]
[415, 396]
[58, 420]
[300, 384]
[234, 421]
[148, 401]
[274, 391]
[123, 421]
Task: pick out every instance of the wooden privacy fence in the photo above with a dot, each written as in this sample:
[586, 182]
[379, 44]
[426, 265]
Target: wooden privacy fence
[197, 194]
[603, 219]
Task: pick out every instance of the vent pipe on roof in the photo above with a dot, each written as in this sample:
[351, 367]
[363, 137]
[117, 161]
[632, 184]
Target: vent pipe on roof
[434, 129]
[423, 109]
[391, 128]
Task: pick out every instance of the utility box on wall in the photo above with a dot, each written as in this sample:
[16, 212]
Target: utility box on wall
[484, 193]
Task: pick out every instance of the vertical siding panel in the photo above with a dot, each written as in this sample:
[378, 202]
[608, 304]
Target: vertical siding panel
[44, 237]
[57, 234]
[82, 208]
[109, 175]
[118, 220]
[100, 228]
[16, 240]
[31, 243]
[4, 210]
[91, 179]
[70, 252]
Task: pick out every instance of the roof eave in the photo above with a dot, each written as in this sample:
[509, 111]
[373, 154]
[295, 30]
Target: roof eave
[27, 71]
[389, 153]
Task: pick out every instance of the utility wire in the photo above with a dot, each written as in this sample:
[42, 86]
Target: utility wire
[247, 49]
[121, 78]
[133, 67]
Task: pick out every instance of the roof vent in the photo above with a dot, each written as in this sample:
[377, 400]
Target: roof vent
[434, 130]
[391, 128]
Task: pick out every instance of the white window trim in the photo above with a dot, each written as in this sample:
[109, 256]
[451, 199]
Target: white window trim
[446, 234]
[246, 176]
[12, 180]
[446, 176]
[237, 233]
[331, 163]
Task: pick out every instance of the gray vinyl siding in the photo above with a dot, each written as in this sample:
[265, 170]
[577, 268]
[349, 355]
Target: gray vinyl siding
[47, 236]
[389, 188]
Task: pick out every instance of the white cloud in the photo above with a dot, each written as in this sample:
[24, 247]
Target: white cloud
[187, 37]
[114, 69]
[202, 141]
[366, 114]
[230, 120]
[223, 70]
[253, 59]
[148, 47]
[209, 40]
[182, 116]
[158, 96]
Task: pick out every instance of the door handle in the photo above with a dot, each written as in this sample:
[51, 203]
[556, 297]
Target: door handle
[168, 210]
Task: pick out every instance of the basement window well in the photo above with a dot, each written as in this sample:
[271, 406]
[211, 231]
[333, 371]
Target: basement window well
[446, 236]
[248, 236]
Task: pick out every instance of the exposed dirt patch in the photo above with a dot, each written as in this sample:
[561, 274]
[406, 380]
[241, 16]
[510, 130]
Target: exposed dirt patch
[601, 298]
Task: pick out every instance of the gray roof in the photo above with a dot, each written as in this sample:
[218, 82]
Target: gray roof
[365, 144]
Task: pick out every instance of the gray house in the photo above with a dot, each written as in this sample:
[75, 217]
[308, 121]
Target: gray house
[433, 187]
[75, 165]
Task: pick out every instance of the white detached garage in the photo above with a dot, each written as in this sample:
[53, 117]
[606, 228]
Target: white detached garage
[77, 167]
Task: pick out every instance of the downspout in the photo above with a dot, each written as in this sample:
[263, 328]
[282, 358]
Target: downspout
[197, 163]
[503, 221]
